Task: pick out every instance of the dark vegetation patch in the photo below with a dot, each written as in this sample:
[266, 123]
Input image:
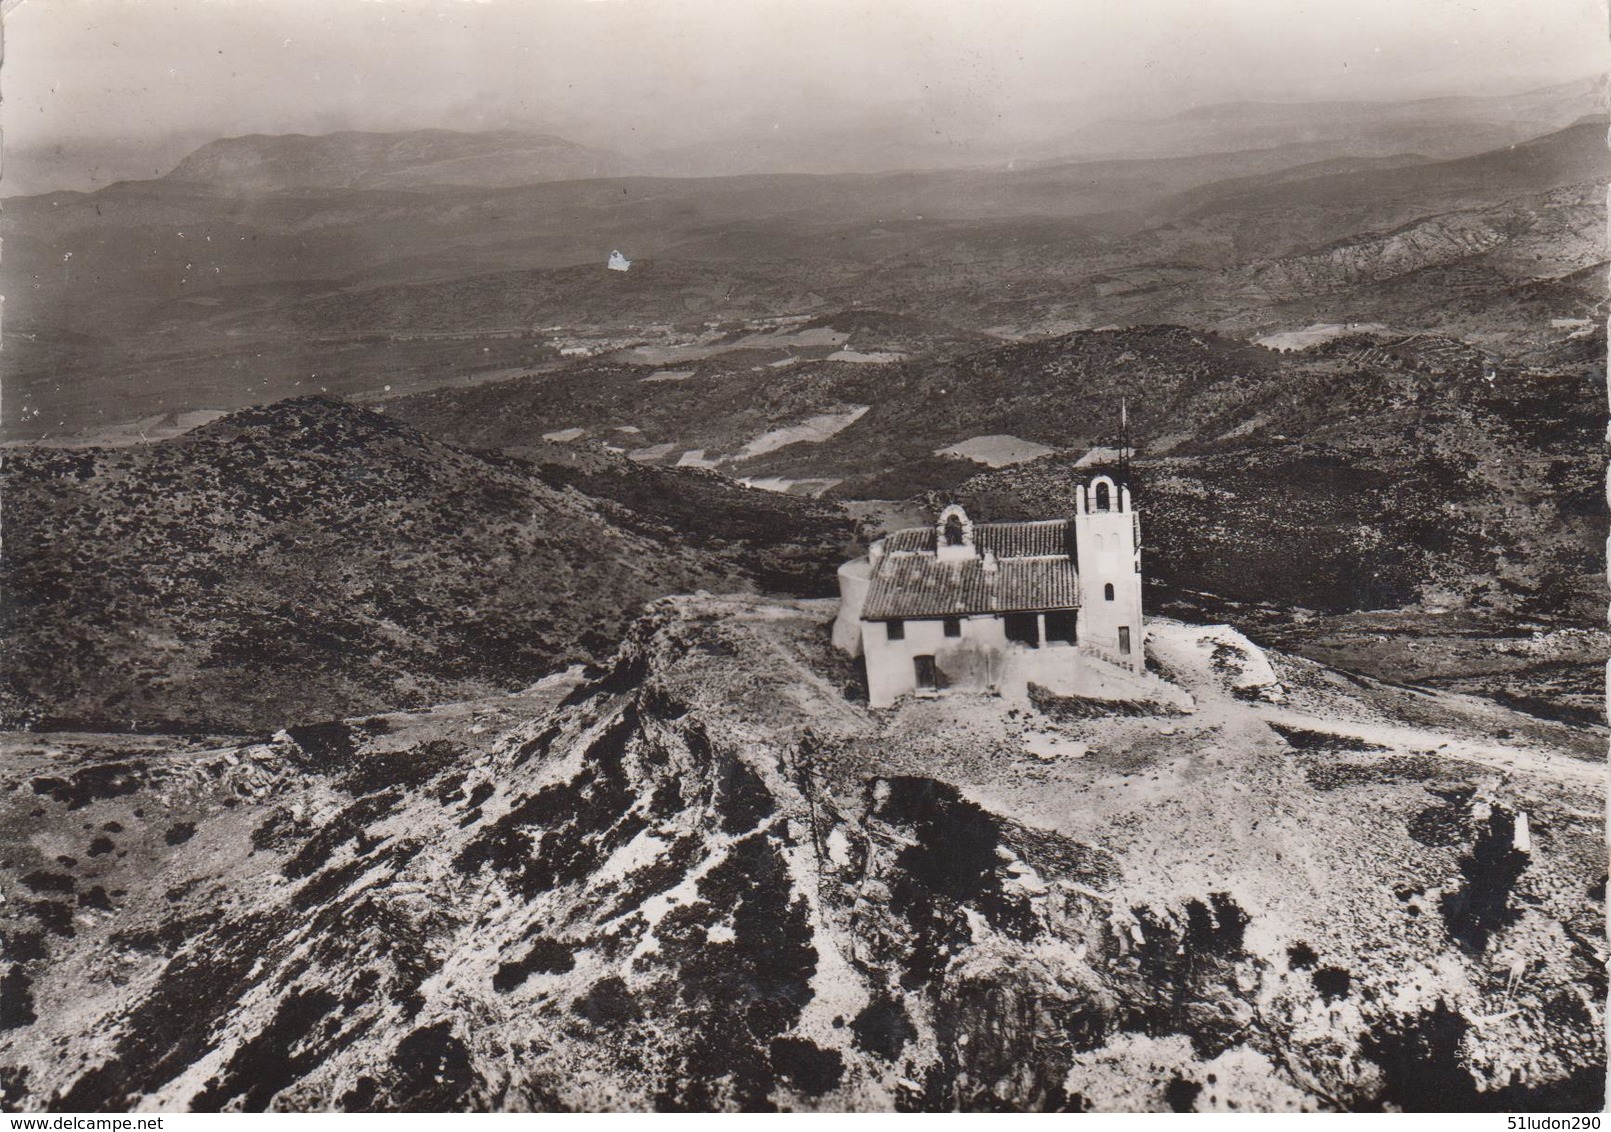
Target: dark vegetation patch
[1302, 739]
[101, 846]
[179, 833]
[544, 956]
[951, 863]
[560, 834]
[608, 1004]
[347, 825]
[24, 946]
[1553, 708]
[1424, 1070]
[659, 703]
[170, 1028]
[16, 999]
[54, 916]
[1053, 855]
[326, 745]
[1184, 971]
[736, 996]
[96, 898]
[1180, 1094]
[329, 883]
[40, 880]
[1055, 706]
[434, 1072]
[742, 797]
[170, 934]
[13, 1087]
[540, 744]
[669, 868]
[990, 1067]
[1332, 982]
[1568, 1011]
[94, 783]
[264, 1065]
[1481, 906]
[1301, 957]
[359, 1098]
[883, 1027]
[406, 769]
[451, 789]
[625, 675]
[807, 1067]
[278, 830]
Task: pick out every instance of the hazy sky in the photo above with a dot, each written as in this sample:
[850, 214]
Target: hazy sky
[646, 73]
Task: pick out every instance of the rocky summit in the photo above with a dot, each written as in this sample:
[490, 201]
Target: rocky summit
[706, 876]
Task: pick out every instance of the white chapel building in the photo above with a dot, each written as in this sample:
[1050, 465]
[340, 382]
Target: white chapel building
[994, 607]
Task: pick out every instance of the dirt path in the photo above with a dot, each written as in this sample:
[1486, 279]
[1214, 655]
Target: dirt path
[1217, 704]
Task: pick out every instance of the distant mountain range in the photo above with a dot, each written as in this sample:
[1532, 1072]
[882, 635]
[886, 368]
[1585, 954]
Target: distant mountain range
[882, 139]
[1446, 127]
[159, 296]
[415, 160]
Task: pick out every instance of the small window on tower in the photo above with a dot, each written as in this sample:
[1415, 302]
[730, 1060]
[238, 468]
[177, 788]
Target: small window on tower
[895, 630]
[953, 531]
[953, 626]
[1107, 592]
[1103, 499]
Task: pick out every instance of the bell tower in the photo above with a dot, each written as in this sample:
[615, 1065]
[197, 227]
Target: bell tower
[1107, 547]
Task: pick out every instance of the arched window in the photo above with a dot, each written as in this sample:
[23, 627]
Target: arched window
[1103, 500]
[953, 531]
[1107, 591]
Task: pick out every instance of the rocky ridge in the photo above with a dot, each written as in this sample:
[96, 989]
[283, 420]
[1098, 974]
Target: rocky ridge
[709, 878]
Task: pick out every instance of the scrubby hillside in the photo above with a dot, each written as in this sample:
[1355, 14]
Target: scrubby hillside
[312, 558]
[1371, 475]
[1371, 471]
[710, 878]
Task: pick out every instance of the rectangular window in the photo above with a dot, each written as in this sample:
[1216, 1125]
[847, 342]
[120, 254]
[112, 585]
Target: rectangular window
[1060, 626]
[1023, 628]
[895, 630]
[1124, 639]
[927, 675]
[953, 626]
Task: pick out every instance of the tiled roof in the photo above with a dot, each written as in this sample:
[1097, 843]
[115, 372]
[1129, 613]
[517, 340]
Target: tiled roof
[1032, 571]
[1042, 538]
[917, 585]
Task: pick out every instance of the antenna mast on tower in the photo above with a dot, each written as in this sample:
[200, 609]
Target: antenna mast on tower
[1124, 441]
